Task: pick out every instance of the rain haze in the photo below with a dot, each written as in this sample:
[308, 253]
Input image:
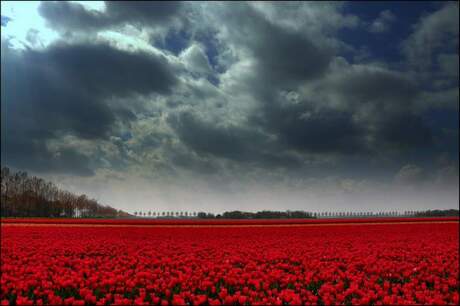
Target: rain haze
[195, 106]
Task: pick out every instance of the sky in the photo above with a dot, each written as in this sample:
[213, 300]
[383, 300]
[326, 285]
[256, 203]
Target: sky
[197, 106]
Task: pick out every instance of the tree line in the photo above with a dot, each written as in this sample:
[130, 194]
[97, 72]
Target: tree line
[26, 196]
[165, 214]
[438, 213]
[298, 214]
[265, 214]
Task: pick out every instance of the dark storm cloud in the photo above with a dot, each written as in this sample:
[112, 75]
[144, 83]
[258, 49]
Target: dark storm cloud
[72, 81]
[285, 59]
[104, 70]
[21, 151]
[65, 90]
[63, 15]
[283, 56]
[374, 114]
[385, 89]
[236, 143]
[405, 131]
[322, 131]
[205, 137]
[353, 114]
[186, 161]
[144, 12]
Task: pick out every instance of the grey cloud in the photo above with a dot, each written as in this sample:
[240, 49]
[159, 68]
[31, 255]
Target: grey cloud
[190, 162]
[375, 104]
[353, 110]
[237, 143]
[32, 37]
[383, 22]
[360, 85]
[73, 81]
[303, 128]
[63, 15]
[442, 99]
[68, 89]
[32, 154]
[409, 174]
[284, 57]
[37, 98]
[317, 18]
[443, 178]
[449, 65]
[338, 119]
[434, 32]
[144, 12]
[448, 175]
[104, 70]
[372, 85]
[382, 103]
[204, 137]
[432, 58]
[405, 131]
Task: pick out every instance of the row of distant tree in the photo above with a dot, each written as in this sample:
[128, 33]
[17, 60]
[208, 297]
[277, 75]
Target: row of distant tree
[438, 213]
[264, 214]
[267, 214]
[26, 196]
[169, 214]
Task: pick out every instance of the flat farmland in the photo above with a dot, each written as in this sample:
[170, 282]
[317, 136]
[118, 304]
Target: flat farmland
[280, 262]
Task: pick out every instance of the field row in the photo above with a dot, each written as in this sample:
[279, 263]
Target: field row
[223, 222]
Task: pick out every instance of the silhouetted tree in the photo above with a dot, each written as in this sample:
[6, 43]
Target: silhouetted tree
[24, 196]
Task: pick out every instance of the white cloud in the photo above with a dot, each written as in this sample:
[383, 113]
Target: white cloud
[195, 59]
[24, 18]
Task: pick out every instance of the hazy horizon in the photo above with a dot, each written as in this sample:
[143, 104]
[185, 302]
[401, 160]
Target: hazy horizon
[194, 106]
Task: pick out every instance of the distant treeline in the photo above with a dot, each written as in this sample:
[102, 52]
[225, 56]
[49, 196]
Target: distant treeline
[24, 196]
[264, 214]
[267, 214]
[438, 213]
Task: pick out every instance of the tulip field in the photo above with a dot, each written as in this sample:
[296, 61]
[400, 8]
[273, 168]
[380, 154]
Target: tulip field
[289, 262]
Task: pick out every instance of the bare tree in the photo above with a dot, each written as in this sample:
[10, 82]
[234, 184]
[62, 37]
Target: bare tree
[24, 196]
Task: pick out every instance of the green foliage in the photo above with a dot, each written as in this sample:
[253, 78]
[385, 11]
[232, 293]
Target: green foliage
[314, 286]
